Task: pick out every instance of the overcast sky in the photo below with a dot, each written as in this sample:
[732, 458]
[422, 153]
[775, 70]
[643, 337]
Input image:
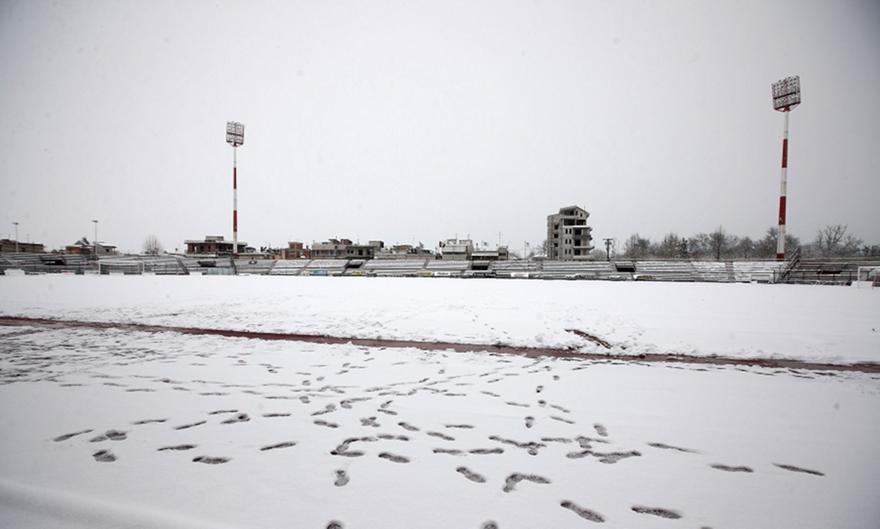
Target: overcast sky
[413, 121]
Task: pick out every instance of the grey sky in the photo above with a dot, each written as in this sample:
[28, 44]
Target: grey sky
[415, 121]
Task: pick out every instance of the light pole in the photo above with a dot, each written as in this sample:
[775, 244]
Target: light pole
[95, 241]
[16, 236]
[786, 96]
[234, 137]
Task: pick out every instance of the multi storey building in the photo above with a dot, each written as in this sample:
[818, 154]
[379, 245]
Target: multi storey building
[568, 236]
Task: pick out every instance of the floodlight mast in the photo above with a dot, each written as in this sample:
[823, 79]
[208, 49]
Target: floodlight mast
[786, 96]
[234, 137]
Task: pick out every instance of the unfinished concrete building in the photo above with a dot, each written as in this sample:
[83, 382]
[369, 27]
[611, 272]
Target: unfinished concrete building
[568, 236]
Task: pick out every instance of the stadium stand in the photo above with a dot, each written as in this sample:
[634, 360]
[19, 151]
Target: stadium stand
[440, 268]
[139, 264]
[518, 269]
[395, 267]
[254, 267]
[325, 267]
[760, 271]
[582, 270]
[665, 271]
[832, 270]
[712, 271]
[826, 270]
[292, 267]
[45, 263]
[208, 265]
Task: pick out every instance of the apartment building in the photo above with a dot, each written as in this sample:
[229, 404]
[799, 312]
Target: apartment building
[568, 236]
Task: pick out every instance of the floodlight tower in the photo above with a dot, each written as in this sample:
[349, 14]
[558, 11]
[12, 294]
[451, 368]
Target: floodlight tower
[786, 96]
[234, 137]
[16, 236]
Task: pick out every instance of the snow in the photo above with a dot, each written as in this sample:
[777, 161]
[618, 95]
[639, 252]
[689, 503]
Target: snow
[123, 429]
[62, 381]
[815, 323]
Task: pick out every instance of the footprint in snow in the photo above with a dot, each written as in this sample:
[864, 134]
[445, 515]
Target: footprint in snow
[584, 513]
[285, 444]
[394, 458]
[104, 456]
[470, 474]
[176, 447]
[67, 436]
[657, 511]
[210, 460]
[112, 435]
[726, 468]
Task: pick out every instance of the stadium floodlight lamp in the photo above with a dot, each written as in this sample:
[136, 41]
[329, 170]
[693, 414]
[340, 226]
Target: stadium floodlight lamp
[234, 133]
[787, 93]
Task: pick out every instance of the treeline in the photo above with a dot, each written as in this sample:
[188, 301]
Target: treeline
[830, 241]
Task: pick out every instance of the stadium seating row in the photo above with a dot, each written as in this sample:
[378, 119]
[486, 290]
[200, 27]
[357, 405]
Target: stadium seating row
[832, 270]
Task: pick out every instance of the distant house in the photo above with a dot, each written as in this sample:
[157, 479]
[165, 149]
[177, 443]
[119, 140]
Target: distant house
[213, 245]
[403, 251]
[296, 250]
[456, 249]
[568, 236]
[93, 248]
[12, 246]
[343, 249]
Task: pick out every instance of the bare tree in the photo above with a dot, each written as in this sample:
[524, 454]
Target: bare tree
[537, 250]
[720, 242]
[766, 247]
[699, 245]
[637, 247]
[669, 247]
[745, 248]
[833, 240]
[152, 246]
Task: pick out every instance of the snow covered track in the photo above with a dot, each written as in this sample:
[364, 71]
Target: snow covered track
[826, 325]
[864, 367]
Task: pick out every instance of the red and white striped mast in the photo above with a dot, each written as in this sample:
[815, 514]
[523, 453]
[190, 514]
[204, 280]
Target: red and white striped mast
[234, 137]
[786, 96]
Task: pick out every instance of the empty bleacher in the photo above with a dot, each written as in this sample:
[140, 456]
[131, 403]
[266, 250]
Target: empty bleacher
[581, 270]
[254, 267]
[325, 267]
[141, 264]
[826, 270]
[43, 263]
[293, 267]
[832, 270]
[712, 271]
[395, 267]
[517, 269]
[208, 265]
[441, 268]
[759, 271]
[665, 271]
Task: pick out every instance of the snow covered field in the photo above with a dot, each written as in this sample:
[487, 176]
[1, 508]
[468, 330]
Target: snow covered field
[126, 429]
[817, 323]
[113, 428]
